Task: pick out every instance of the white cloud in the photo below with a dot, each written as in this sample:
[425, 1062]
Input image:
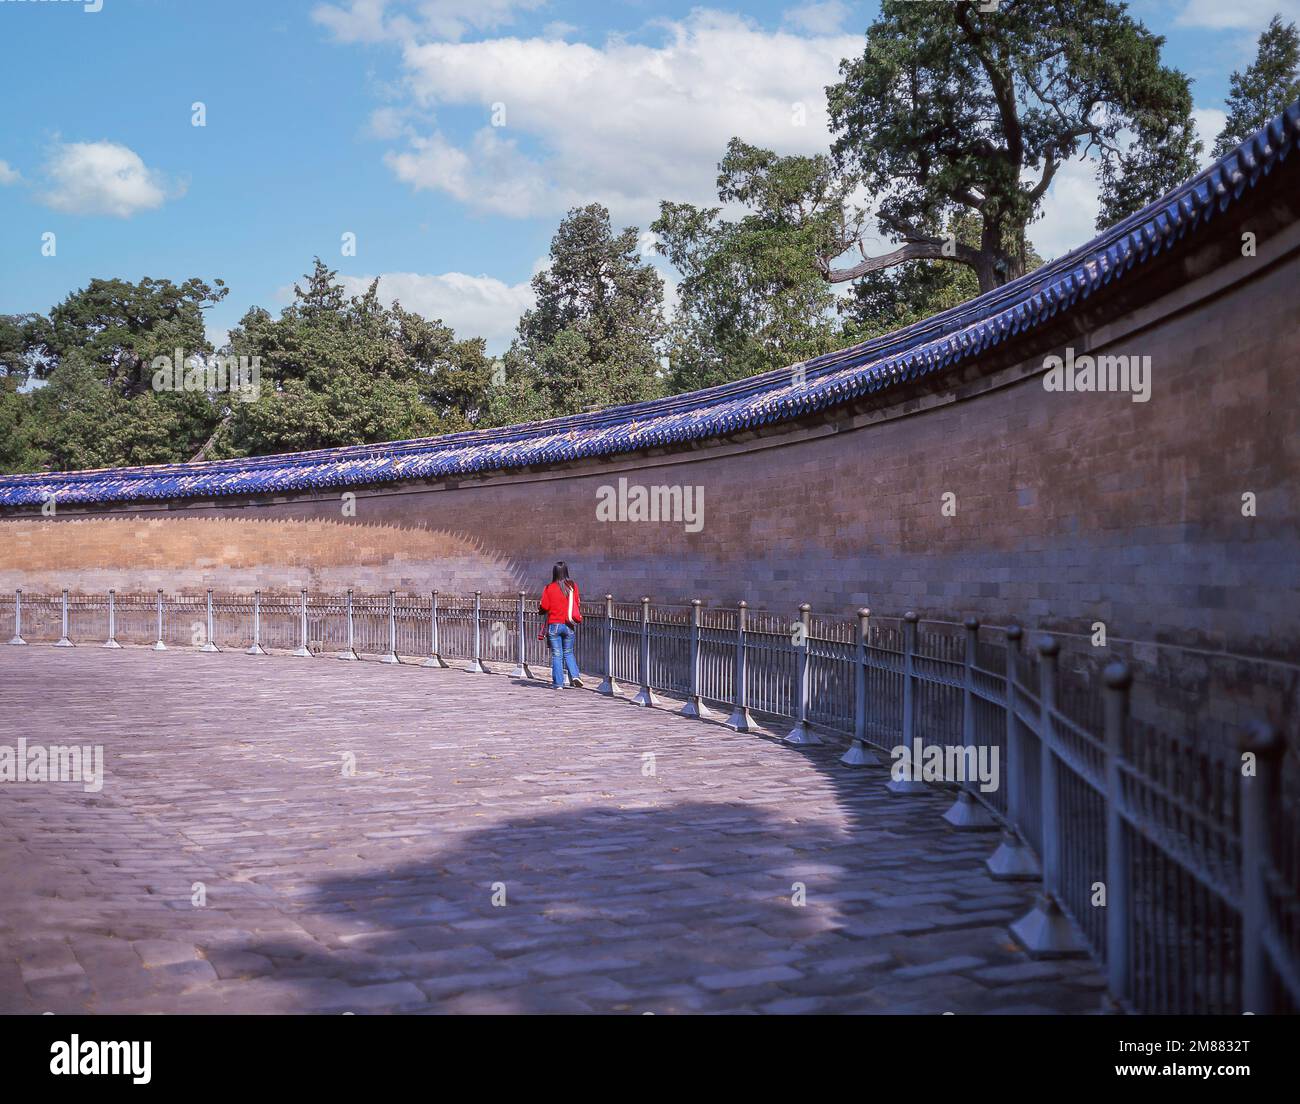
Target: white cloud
[101, 178]
[492, 176]
[1209, 121]
[1238, 15]
[1069, 210]
[387, 123]
[394, 20]
[827, 17]
[8, 175]
[473, 306]
[625, 124]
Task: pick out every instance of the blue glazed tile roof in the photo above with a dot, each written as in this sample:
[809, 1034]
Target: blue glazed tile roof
[926, 347]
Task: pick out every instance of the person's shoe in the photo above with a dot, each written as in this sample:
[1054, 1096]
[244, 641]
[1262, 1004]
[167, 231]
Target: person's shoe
[577, 683]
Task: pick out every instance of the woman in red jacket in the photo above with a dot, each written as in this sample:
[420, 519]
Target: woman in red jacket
[563, 615]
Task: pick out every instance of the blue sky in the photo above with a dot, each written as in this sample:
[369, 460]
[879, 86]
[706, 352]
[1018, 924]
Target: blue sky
[375, 117]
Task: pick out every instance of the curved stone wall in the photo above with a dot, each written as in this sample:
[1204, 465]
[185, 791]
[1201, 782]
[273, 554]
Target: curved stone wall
[975, 491]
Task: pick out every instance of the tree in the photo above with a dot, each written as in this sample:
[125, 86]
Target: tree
[1266, 88]
[952, 108]
[336, 369]
[94, 351]
[120, 327]
[1163, 153]
[888, 300]
[752, 297]
[593, 338]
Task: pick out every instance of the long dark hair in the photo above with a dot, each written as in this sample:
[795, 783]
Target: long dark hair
[560, 574]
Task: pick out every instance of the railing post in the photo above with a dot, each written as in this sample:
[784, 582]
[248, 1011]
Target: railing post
[159, 646]
[435, 655]
[740, 719]
[801, 735]
[18, 618]
[609, 686]
[966, 813]
[349, 652]
[209, 645]
[1261, 807]
[65, 641]
[694, 706]
[302, 650]
[1045, 931]
[905, 772]
[1014, 860]
[521, 657]
[1117, 679]
[391, 655]
[256, 647]
[859, 755]
[111, 642]
[477, 667]
[644, 696]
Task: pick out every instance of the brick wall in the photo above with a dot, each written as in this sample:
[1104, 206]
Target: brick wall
[1070, 508]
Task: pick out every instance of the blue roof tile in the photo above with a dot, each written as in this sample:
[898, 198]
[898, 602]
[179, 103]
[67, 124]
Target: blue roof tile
[919, 349]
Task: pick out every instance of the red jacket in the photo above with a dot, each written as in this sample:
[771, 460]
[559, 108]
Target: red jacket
[555, 604]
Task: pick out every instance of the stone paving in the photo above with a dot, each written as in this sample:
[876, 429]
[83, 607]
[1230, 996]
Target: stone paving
[277, 834]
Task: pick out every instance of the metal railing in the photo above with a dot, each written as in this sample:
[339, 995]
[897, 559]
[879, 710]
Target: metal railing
[1174, 861]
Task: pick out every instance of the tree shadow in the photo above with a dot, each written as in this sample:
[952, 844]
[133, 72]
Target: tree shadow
[693, 907]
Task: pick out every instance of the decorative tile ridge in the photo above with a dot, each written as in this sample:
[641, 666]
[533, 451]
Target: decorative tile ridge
[923, 348]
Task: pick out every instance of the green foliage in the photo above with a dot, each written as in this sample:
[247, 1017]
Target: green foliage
[345, 370]
[951, 109]
[953, 123]
[594, 337]
[751, 297]
[1270, 84]
[888, 300]
[93, 351]
[119, 327]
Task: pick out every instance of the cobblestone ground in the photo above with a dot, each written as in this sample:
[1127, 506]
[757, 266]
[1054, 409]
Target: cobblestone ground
[647, 862]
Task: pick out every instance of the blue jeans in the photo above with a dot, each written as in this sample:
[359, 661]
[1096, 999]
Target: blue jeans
[561, 639]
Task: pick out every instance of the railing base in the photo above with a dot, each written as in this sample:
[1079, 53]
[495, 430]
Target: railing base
[609, 688]
[697, 710]
[521, 671]
[477, 668]
[209, 647]
[859, 755]
[302, 653]
[255, 649]
[110, 644]
[906, 786]
[1044, 932]
[968, 815]
[390, 657]
[740, 720]
[159, 646]
[1013, 861]
[644, 697]
[348, 654]
[19, 641]
[435, 661]
[802, 736]
[64, 642]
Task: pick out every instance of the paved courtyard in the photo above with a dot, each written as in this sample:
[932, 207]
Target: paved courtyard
[281, 835]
